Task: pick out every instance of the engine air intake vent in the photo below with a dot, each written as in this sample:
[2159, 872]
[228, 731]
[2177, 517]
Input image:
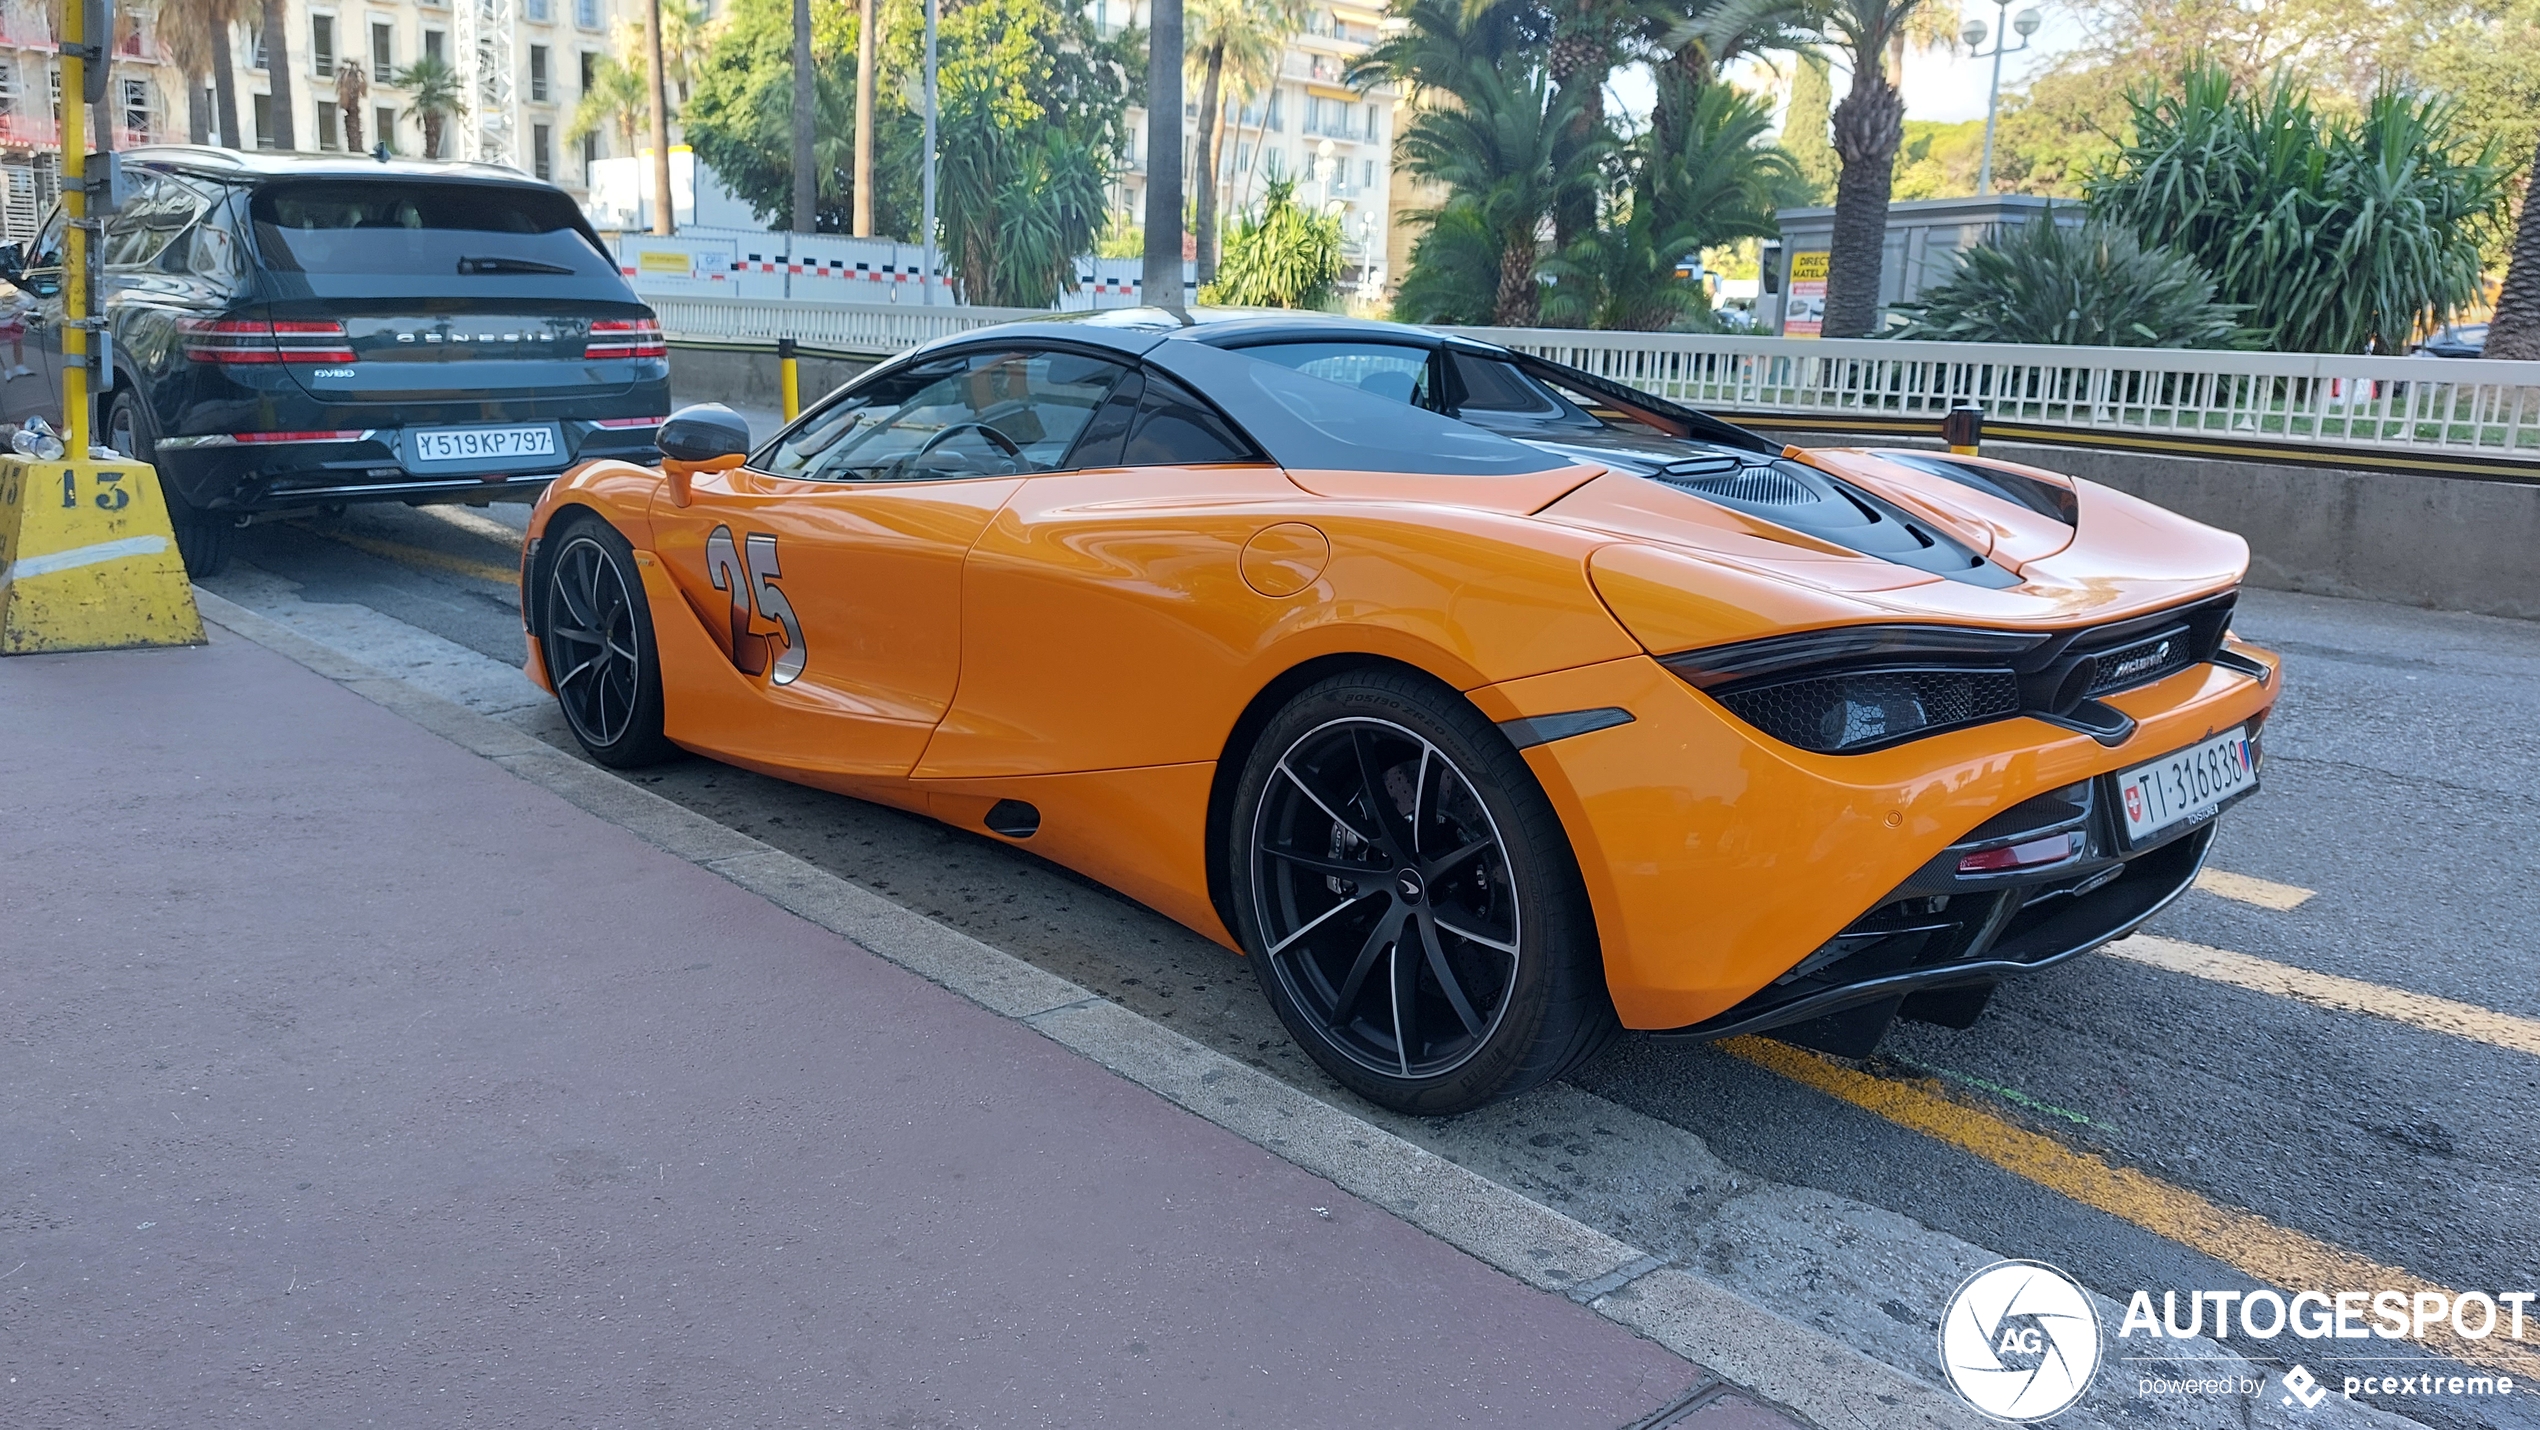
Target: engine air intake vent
[1756, 485]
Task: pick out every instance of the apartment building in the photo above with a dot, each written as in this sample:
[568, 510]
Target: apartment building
[141, 88]
[523, 66]
[1335, 142]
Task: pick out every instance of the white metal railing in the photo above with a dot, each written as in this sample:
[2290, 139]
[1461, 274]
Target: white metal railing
[875, 328]
[2462, 410]
[2464, 407]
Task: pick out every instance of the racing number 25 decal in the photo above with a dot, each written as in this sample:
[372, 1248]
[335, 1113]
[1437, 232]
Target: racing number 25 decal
[749, 575]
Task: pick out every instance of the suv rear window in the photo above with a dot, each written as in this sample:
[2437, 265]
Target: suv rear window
[342, 226]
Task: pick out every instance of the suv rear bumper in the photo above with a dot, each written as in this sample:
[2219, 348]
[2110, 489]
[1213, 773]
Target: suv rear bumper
[252, 473]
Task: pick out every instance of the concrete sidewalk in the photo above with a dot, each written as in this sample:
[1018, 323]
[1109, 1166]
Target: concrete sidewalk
[350, 1079]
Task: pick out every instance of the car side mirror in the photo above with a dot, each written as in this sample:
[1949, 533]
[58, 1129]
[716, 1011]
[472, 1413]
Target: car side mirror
[703, 437]
[12, 261]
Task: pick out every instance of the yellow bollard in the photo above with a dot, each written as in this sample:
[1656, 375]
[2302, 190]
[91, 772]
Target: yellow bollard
[1963, 429]
[789, 376]
[87, 559]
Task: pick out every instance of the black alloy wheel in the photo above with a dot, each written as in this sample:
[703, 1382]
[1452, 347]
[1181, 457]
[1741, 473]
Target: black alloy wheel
[596, 632]
[1410, 903]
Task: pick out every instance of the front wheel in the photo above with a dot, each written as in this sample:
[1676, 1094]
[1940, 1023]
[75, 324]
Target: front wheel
[596, 632]
[1409, 899]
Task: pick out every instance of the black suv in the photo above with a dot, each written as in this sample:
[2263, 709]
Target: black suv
[297, 332]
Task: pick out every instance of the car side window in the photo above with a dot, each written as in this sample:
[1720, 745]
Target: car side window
[997, 413]
[1396, 370]
[158, 214]
[1176, 429]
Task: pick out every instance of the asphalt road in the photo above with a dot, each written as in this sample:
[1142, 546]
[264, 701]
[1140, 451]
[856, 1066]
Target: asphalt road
[2403, 790]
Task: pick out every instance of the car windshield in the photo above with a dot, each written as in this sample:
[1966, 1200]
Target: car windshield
[374, 227]
[971, 415]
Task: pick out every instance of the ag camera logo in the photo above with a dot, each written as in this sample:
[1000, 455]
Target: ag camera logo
[2020, 1341]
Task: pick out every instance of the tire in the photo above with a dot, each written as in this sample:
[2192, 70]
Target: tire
[1463, 865]
[595, 631]
[203, 539]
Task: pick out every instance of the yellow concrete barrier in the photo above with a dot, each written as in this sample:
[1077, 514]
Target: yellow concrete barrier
[88, 560]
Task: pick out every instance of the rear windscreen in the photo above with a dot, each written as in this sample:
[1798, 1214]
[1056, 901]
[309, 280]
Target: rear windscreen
[402, 227]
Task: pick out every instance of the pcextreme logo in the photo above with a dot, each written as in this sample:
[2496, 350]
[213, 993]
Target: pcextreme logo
[2020, 1341]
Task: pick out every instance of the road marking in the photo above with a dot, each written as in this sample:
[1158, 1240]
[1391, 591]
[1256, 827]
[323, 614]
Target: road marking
[475, 523]
[405, 555]
[2327, 990]
[2276, 1255]
[2265, 893]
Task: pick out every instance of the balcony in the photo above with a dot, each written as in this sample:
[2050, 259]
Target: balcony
[26, 131]
[140, 46]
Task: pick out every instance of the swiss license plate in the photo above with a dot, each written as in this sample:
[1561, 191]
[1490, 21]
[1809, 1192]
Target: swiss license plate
[469, 446]
[2188, 785]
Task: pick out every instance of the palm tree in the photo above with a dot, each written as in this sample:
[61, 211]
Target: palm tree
[278, 72]
[437, 97]
[2515, 330]
[1587, 42]
[197, 36]
[1239, 39]
[1502, 153]
[618, 101]
[1869, 125]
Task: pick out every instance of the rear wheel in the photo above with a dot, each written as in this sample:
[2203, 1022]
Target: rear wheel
[1409, 898]
[596, 632]
[203, 539]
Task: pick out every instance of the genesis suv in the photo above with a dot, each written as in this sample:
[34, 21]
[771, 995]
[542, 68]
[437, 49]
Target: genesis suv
[292, 333]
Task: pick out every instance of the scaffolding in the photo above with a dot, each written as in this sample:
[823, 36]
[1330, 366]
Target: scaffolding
[490, 130]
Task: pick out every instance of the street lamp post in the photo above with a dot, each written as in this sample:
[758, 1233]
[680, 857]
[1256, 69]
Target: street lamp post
[2026, 23]
[926, 279]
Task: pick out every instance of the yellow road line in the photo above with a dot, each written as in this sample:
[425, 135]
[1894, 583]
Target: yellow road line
[2270, 1253]
[405, 555]
[2265, 893]
[2327, 990]
[474, 523]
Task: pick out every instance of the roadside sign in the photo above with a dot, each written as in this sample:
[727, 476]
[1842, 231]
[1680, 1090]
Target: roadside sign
[1804, 311]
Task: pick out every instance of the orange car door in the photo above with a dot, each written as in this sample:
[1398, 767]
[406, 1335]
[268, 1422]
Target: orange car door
[827, 574]
[1106, 607]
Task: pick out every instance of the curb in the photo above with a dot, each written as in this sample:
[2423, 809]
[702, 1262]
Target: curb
[1825, 1382]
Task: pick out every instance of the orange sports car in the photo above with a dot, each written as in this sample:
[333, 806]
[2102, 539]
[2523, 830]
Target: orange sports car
[1488, 705]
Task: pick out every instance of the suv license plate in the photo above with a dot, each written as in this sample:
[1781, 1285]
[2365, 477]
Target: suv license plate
[453, 446]
[2189, 785]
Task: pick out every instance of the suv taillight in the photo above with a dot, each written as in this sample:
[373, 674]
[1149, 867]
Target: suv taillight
[253, 340]
[625, 338]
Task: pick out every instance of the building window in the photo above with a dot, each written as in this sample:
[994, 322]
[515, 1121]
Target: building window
[433, 47]
[1367, 173]
[383, 122]
[590, 156]
[590, 71]
[255, 47]
[540, 147]
[586, 13]
[328, 137]
[538, 74]
[264, 121]
[383, 53]
[322, 45]
[535, 11]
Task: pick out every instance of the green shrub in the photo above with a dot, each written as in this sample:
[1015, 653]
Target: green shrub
[1285, 256]
[2335, 235]
[2092, 285]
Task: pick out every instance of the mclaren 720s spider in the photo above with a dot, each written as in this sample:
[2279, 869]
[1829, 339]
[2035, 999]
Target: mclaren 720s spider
[1489, 706]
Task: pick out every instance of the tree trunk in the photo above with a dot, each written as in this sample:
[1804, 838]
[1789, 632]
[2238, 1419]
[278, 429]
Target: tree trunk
[225, 86]
[2515, 330]
[431, 134]
[806, 115]
[278, 73]
[198, 118]
[865, 40]
[664, 216]
[1515, 306]
[1160, 277]
[1578, 61]
[1211, 135]
[1868, 127]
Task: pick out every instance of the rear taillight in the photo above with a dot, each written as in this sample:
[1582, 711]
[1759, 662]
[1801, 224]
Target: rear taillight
[253, 340]
[625, 338]
[253, 439]
[2053, 849]
[632, 421]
